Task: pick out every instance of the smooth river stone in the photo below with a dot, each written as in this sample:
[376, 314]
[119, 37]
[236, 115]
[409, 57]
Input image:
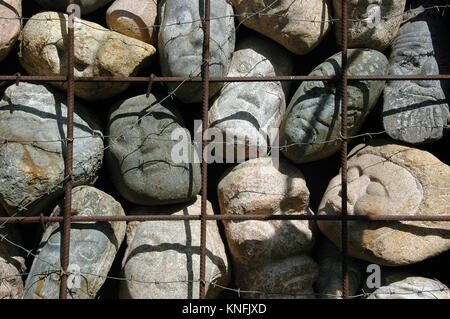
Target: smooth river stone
[93, 247]
[139, 154]
[284, 21]
[250, 110]
[378, 32]
[167, 255]
[417, 111]
[134, 18]
[86, 6]
[33, 121]
[10, 27]
[391, 179]
[98, 52]
[412, 288]
[180, 44]
[313, 117]
[12, 261]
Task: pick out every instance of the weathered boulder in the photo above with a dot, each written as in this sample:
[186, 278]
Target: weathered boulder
[390, 179]
[33, 132]
[166, 254]
[258, 186]
[98, 52]
[287, 22]
[311, 128]
[412, 288]
[375, 23]
[139, 154]
[12, 261]
[134, 18]
[9, 9]
[249, 110]
[93, 247]
[417, 111]
[180, 44]
[86, 6]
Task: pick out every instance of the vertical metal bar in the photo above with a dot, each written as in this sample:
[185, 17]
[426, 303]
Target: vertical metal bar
[65, 238]
[344, 234]
[205, 85]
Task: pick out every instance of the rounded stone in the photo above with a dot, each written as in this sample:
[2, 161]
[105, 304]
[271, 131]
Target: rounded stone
[9, 10]
[412, 288]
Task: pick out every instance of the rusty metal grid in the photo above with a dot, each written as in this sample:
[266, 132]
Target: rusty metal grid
[205, 79]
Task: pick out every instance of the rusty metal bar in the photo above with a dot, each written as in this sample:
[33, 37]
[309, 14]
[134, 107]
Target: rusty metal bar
[343, 91]
[65, 238]
[205, 87]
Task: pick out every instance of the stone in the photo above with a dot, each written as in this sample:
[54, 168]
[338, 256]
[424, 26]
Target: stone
[139, 154]
[98, 52]
[261, 187]
[33, 131]
[12, 261]
[249, 110]
[412, 288]
[376, 24]
[86, 6]
[180, 44]
[329, 283]
[9, 9]
[168, 252]
[287, 22]
[134, 18]
[417, 111]
[311, 128]
[391, 179]
[93, 247]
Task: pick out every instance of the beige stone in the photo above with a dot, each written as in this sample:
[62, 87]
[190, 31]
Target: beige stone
[98, 52]
[134, 18]
[10, 28]
[287, 21]
[391, 179]
[383, 18]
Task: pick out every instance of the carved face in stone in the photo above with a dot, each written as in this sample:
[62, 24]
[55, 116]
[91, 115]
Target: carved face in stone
[375, 187]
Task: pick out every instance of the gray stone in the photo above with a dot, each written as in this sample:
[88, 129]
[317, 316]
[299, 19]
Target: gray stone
[329, 282]
[9, 9]
[12, 261]
[314, 113]
[33, 121]
[93, 247]
[168, 252]
[249, 110]
[98, 52]
[417, 111]
[180, 44]
[87, 6]
[412, 288]
[140, 158]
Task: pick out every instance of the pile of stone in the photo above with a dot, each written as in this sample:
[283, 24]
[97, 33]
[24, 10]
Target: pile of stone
[270, 145]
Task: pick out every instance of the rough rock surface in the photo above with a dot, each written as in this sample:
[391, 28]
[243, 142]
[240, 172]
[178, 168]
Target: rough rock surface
[329, 282]
[282, 22]
[93, 247]
[249, 110]
[12, 261]
[86, 6]
[33, 121]
[259, 187]
[134, 18]
[98, 52]
[390, 179]
[378, 32]
[180, 44]
[412, 288]
[139, 156]
[10, 28]
[416, 111]
[314, 113]
[165, 251]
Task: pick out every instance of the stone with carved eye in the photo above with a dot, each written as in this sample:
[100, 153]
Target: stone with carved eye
[389, 179]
